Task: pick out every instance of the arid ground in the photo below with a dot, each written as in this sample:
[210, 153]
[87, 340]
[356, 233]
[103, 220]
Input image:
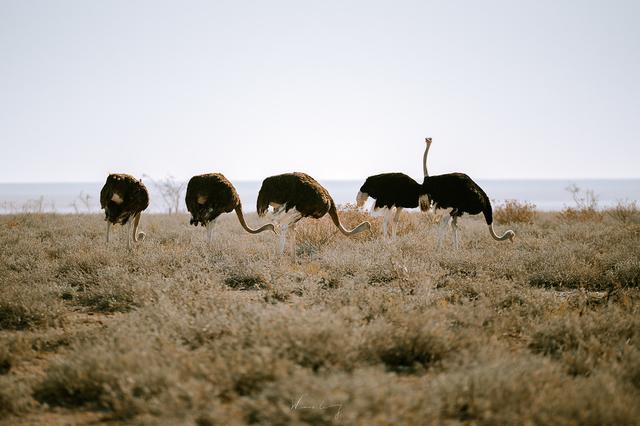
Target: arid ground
[545, 330]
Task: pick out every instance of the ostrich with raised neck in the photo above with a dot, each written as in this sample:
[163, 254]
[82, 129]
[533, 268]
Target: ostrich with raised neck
[392, 193]
[460, 193]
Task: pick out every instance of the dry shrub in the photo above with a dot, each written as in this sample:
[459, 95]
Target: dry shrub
[350, 216]
[81, 270]
[6, 359]
[316, 340]
[14, 397]
[588, 214]
[514, 211]
[312, 235]
[115, 297]
[583, 343]
[28, 307]
[409, 224]
[406, 347]
[625, 212]
[492, 392]
[527, 390]
[246, 281]
[586, 209]
[626, 273]
[124, 372]
[629, 369]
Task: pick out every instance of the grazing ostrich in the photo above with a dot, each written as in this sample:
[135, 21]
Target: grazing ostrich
[392, 190]
[297, 195]
[210, 195]
[460, 193]
[124, 197]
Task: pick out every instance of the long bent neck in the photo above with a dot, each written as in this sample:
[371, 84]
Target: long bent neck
[508, 235]
[333, 212]
[424, 158]
[137, 236]
[246, 227]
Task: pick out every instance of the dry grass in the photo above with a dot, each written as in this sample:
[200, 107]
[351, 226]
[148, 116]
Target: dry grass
[355, 331]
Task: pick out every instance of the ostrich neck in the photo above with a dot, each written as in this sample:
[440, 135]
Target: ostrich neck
[424, 160]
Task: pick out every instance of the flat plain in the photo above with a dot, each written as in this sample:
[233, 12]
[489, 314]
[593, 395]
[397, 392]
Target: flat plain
[545, 330]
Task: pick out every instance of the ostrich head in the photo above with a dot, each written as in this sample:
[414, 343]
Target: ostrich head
[428, 141]
[511, 235]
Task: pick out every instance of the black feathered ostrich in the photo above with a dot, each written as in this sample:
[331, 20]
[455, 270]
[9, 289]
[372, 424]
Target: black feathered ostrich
[460, 193]
[392, 190]
[123, 198]
[208, 196]
[294, 196]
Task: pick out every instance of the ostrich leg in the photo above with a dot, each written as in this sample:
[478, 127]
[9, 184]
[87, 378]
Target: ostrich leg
[454, 225]
[293, 240]
[444, 223]
[388, 213]
[108, 230]
[283, 238]
[210, 226]
[384, 226]
[394, 224]
[129, 225]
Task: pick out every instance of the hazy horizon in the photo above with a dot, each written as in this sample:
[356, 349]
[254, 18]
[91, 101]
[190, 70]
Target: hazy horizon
[546, 194]
[340, 90]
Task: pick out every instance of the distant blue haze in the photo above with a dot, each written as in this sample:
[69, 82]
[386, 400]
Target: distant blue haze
[548, 195]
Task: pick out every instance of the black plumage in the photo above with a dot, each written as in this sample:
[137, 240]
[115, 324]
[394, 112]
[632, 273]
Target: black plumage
[209, 195]
[392, 190]
[123, 197]
[460, 193]
[299, 195]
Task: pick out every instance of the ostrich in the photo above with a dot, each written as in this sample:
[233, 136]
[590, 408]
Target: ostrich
[460, 193]
[124, 197]
[392, 190]
[208, 196]
[294, 196]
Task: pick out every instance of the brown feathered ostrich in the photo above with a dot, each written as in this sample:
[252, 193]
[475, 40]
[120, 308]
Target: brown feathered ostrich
[460, 193]
[123, 198]
[208, 196]
[392, 191]
[294, 196]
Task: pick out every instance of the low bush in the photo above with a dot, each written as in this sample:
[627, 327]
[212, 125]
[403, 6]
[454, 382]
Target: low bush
[514, 211]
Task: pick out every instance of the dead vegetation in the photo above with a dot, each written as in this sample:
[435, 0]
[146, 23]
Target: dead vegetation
[355, 331]
[514, 211]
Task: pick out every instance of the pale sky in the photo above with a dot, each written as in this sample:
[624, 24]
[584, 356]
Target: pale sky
[338, 89]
